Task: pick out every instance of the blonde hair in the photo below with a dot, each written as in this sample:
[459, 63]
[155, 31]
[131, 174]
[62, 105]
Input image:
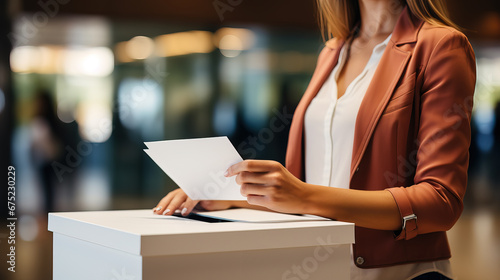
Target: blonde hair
[338, 18]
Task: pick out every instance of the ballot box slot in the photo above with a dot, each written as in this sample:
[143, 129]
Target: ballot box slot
[196, 217]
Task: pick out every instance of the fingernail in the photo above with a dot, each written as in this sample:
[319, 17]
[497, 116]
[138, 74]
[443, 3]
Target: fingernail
[166, 212]
[183, 212]
[158, 209]
[226, 173]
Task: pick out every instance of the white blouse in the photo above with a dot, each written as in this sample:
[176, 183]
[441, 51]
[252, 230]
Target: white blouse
[329, 140]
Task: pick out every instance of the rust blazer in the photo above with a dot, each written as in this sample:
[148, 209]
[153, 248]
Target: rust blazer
[411, 138]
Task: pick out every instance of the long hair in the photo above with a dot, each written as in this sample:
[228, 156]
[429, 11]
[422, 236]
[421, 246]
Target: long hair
[338, 18]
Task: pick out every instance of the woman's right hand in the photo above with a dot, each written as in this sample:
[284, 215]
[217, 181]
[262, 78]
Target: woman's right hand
[178, 200]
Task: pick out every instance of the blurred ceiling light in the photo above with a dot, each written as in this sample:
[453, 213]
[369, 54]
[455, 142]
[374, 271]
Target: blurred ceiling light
[95, 62]
[98, 62]
[230, 45]
[29, 59]
[24, 59]
[140, 47]
[50, 59]
[121, 52]
[184, 43]
[224, 39]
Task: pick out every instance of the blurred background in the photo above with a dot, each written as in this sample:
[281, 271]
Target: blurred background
[84, 83]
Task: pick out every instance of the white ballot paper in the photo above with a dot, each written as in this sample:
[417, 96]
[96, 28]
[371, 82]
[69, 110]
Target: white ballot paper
[198, 165]
[257, 216]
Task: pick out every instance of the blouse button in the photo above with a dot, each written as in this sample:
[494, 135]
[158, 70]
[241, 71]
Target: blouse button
[357, 169]
[360, 260]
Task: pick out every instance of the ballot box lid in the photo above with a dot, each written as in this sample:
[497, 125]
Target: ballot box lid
[141, 232]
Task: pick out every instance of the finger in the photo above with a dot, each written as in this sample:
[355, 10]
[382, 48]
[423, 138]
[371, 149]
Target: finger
[258, 200]
[246, 177]
[160, 208]
[175, 204]
[253, 189]
[157, 208]
[252, 166]
[188, 206]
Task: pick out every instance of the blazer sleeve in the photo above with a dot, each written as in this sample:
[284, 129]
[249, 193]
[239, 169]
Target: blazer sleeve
[443, 139]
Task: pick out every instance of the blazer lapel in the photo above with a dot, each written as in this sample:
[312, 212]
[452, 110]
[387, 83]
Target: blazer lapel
[389, 71]
[377, 96]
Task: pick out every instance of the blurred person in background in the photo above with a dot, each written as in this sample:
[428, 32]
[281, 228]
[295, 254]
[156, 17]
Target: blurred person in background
[380, 138]
[46, 145]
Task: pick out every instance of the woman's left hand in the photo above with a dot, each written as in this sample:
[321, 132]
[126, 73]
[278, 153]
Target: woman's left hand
[269, 184]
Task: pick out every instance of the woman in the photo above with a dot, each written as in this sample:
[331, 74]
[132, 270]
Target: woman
[380, 138]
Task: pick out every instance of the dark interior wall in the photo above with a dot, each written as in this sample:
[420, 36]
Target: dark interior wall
[7, 114]
[298, 13]
[478, 18]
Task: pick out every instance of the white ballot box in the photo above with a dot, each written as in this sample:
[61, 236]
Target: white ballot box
[138, 245]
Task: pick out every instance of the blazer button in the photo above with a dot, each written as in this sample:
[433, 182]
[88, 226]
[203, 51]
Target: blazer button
[360, 260]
